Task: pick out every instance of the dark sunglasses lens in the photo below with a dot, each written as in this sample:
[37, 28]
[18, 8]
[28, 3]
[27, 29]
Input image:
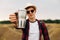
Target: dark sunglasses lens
[27, 12]
[32, 11]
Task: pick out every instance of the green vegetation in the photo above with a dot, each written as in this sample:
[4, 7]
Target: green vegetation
[46, 21]
[52, 21]
[5, 22]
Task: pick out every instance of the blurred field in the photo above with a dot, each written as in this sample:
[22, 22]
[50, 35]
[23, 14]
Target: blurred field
[8, 32]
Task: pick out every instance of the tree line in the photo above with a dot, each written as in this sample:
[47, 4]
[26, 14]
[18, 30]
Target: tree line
[46, 21]
[52, 21]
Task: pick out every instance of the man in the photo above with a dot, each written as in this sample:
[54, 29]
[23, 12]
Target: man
[34, 28]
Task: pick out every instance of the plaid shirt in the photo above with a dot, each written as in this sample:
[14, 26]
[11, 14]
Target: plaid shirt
[42, 30]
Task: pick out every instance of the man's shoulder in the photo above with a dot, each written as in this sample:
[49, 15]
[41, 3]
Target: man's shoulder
[27, 19]
[41, 21]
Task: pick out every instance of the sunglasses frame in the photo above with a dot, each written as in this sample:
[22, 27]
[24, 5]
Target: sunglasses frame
[28, 12]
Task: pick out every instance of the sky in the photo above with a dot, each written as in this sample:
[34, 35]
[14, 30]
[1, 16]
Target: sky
[46, 9]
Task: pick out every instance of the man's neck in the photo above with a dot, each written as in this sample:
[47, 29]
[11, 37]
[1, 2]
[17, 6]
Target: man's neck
[32, 20]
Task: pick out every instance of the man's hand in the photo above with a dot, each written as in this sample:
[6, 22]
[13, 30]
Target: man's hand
[13, 17]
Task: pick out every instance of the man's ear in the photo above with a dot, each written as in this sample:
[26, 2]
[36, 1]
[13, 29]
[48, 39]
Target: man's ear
[35, 11]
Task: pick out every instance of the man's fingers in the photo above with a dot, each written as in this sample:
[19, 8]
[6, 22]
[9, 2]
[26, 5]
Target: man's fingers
[13, 20]
[12, 15]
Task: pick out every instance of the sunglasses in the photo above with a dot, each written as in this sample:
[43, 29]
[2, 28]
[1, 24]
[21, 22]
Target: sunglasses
[28, 12]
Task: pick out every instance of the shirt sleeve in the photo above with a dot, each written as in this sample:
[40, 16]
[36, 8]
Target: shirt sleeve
[45, 32]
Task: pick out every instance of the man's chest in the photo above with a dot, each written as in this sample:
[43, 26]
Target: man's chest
[34, 28]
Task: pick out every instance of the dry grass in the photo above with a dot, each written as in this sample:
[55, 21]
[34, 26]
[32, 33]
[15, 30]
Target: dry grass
[54, 31]
[8, 32]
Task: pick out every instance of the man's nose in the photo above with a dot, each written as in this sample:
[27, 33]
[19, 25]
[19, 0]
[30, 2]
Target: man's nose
[30, 12]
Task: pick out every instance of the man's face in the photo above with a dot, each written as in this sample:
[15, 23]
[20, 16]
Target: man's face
[31, 13]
